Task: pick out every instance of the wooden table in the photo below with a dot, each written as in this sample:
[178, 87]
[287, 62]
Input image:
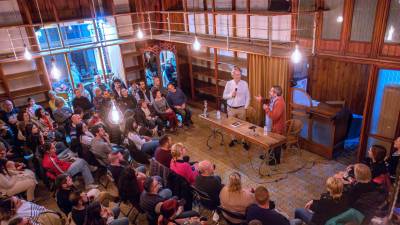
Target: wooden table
[255, 136]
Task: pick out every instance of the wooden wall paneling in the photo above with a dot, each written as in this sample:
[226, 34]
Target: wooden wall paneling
[390, 51]
[367, 112]
[335, 80]
[357, 48]
[4, 83]
[346, 25]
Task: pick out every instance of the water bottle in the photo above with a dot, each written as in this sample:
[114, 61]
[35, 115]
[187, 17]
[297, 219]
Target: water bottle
[218, 115]
[265, 130]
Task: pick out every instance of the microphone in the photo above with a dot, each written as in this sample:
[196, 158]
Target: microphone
[236, 93]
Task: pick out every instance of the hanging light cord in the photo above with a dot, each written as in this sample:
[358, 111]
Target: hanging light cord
[19, 28]
[45, 32]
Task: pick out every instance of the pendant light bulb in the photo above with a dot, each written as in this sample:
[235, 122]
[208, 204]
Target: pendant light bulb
[139, 34]
[27, 54]
[196, 44]
[296, 55]
[115, 114]
[55, 72]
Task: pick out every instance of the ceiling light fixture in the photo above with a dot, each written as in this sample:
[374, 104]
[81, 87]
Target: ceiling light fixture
[196, 44]
[296, 55]
[139, 34]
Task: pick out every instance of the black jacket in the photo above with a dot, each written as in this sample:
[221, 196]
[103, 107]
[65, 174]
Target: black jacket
[141, 119]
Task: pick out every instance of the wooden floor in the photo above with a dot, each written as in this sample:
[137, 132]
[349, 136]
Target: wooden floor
[298, 179]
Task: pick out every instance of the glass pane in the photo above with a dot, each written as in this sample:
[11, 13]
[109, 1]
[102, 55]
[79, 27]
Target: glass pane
[393, 25]
[322, 133]
[62, 85]
[363, 20]
[75, 33]
[386, 109]
[151, 70]
[305, 22]
[53, 37]
[168, 68]
[332, 21]
[85, 65]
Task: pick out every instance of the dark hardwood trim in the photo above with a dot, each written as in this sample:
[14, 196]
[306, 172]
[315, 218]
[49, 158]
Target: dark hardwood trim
[346, 25]
[368, 107]
[378, 38]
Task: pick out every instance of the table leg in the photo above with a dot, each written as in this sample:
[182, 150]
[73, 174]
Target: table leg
[267, 156]
[214, 133]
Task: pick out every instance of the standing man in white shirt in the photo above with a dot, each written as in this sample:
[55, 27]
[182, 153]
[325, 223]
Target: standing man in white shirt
[237, 96]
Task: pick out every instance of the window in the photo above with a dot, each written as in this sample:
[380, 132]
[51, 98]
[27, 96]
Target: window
[333, 19]
[48, 37]
[85, 65]
[305, 23]
[363, 20]
[62, 84]
[393, 25]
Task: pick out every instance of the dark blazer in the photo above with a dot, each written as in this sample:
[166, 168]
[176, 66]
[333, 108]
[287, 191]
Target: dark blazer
[142, 94]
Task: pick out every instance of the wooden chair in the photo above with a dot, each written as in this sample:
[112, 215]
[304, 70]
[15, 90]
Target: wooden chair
[251, 115]
[235, 215]
[293, 129]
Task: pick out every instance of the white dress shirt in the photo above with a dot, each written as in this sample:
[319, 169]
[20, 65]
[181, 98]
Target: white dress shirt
[242, 97]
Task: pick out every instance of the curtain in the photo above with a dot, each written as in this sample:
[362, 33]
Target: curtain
[264, 72]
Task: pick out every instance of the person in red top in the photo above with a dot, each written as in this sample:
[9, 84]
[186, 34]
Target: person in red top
[275, 113]
[56, 166]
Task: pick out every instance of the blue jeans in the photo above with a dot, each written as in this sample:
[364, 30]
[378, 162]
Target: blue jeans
[81, 166]
[302, 215]
[150, 147]
[118, 221]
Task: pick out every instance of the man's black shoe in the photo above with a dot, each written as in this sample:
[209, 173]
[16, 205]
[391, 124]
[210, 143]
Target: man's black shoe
[246, 146]
[232, 143]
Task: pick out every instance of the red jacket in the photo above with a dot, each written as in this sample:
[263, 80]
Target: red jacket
[278, 115]
[48, 164]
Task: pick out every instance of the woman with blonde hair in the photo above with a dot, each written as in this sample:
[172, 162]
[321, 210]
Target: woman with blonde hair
[234, 197]
[331, 204]
[181, 166]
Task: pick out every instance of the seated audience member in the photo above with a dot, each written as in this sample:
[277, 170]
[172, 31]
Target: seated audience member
[364, 195]
[164, 111]
[208, 183]
[32, 107]
[83, 134]
[100, 100]
[142, 143]
[133, 89]
[158, 87]
[84, 92]
[9, 114]
[81, 102]
[153, 195]
[45, 122]
[234, 198]
[34, 137]
[171, 213]
[130, 185]
[62, 113]
[95, 119]
[117, 87]
[262, 210]
[393, 160]
[79, 202]
[99, 84]
[331, 204]
[15, 180]
[180, 166]
[52, 100]
[145, 116]
[20, 221]
[56, 166]
[177, 100]
[96, 214]
[12, 207]
[377, 164]
[101, 145]
[64, 187]
[143, 93]
[116, 158]
[163, 152]
[127, 101]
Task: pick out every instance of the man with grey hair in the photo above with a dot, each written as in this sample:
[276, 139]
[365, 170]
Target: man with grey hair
[208, 183]
[237, 96]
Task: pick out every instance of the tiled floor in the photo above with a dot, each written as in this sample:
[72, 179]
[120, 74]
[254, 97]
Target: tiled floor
[294, 182]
